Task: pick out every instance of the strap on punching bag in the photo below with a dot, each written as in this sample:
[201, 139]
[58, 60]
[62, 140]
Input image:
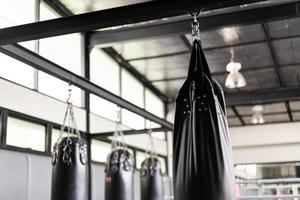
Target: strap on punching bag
[69, 161]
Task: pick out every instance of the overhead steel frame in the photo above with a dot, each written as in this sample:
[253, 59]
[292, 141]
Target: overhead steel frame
[108, 18]
[241, 17]
[26, 56]
[91, 21]
[82, 23]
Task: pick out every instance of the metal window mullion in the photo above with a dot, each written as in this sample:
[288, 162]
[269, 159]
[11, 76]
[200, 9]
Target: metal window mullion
[3, 127]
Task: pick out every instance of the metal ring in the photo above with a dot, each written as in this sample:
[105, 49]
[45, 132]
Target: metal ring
[195, 14]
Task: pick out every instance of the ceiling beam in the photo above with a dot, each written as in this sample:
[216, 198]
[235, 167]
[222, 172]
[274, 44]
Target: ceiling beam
[28, 57]
[135, 13]
[268, 37]
[129, 132]
[238, 115]
[59, 7]
[289, 110]
[263, 96]
[239, 17]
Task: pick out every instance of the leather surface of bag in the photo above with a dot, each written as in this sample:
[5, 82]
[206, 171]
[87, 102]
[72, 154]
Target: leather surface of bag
[203, 165]
[119, 175]
[151, 180]
[70, 170]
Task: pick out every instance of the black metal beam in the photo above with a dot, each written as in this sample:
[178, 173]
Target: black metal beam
[272, 52]
[59, 7]
[238, 115]
[240, 17]
[159, 56]
[288, 108]
[125, 64]
[263, 96]
[215, 73]
[189, 46]
[186, 42]
[129, 132]
[108, 18]
[26, 56]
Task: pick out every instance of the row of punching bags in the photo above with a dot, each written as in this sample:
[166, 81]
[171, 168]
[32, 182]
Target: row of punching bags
[70, 174]
[202, 157]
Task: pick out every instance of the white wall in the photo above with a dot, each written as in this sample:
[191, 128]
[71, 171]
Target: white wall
[28, 177]
[27, 101]
[266, 143]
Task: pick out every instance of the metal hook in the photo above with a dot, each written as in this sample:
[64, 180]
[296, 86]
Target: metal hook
[195, 25]
[118, 119]
[69, 100]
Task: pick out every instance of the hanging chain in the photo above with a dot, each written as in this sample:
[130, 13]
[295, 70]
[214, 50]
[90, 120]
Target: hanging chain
[195, 27]
[150, 149]
[118, 137]
[69, 123]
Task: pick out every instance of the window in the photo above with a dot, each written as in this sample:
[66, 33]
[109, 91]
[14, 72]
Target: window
[132, 120]
[64, 50]
[58, 89]
[132, 89]
[25, 134]
[17, 12]
[105, 72]
[141, 156]
[154, 104]
[103, 108]
[16, 71]
[100, 150]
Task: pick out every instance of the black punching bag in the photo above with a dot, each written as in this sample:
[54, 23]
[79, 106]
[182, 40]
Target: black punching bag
[119, 169]
[69, 163]
[119, 175]
[151, 180]
[70, 170]
[202, 157]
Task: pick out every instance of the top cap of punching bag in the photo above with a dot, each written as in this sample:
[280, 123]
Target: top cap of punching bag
[151, 166]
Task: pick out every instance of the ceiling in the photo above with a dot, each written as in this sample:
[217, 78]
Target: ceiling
[268, 51]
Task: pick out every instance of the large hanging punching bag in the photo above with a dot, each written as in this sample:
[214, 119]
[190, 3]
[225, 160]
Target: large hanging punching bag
[119, 170]
[203, 165]
[69, 163]
[151, 176]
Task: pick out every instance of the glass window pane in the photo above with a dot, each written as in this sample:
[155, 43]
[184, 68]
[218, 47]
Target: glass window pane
[132, 120]
[154, 104]
[16, 71]
[100, 150]
[103, 108]
[105, 72]
[25, 134]
[132, 89]
[58, 89]
[64, 50]
[17, 12]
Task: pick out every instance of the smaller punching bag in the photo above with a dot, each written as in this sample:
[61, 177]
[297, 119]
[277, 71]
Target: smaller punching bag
[69, 161]
[151, 175]
[119, 169]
